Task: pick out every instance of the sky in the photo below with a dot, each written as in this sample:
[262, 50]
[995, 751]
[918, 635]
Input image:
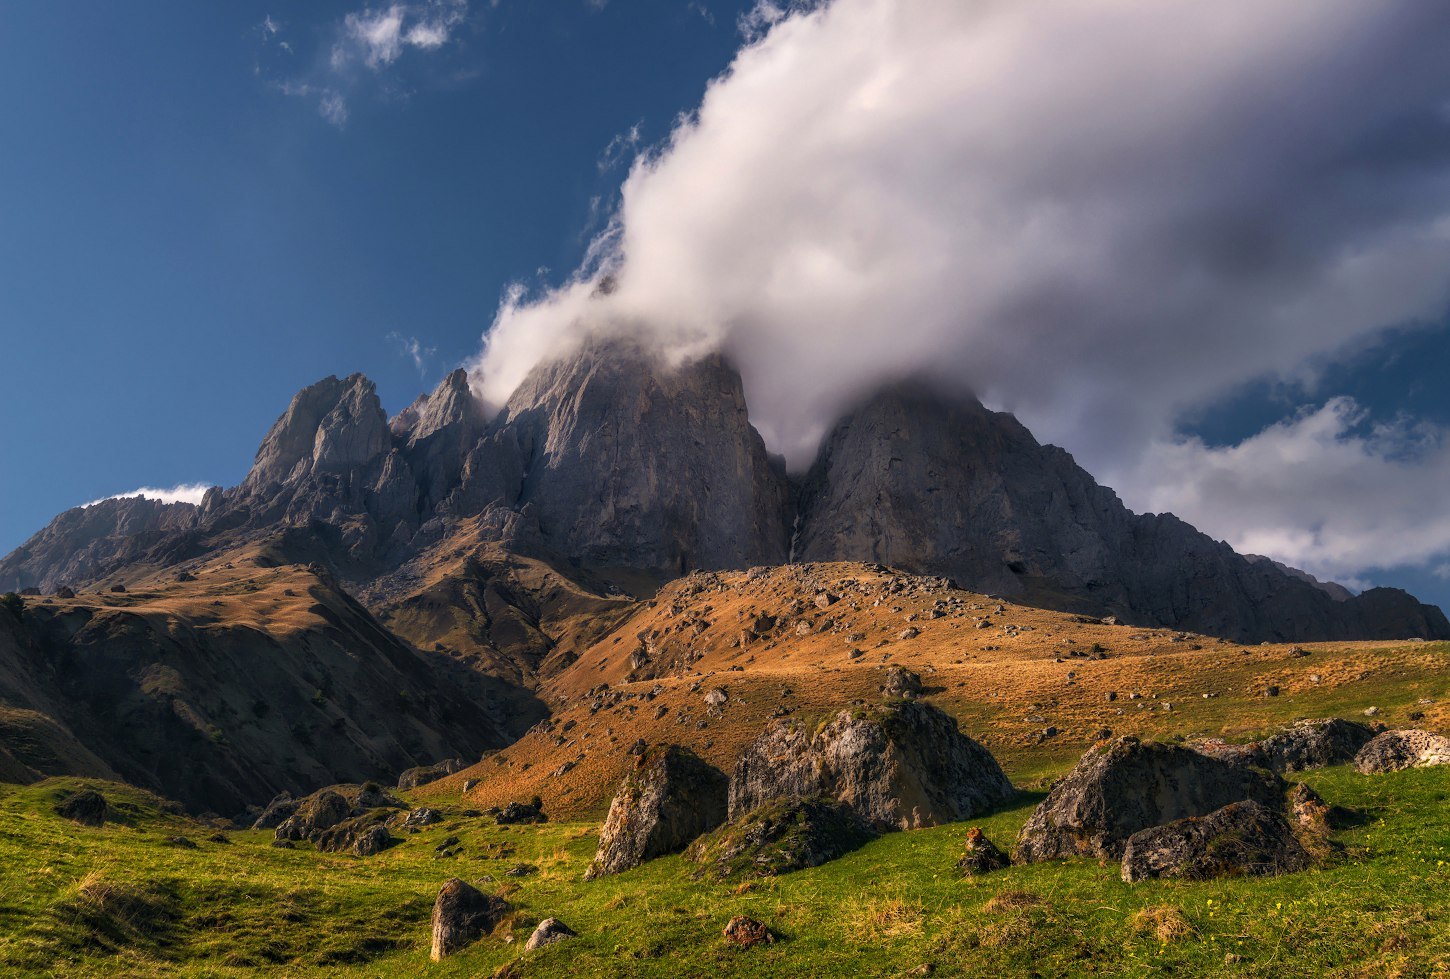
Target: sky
[1204, 247]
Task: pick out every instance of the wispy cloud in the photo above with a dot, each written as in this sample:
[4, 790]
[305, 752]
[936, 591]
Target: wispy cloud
[412, 348]
[181, 493]
[621, 146]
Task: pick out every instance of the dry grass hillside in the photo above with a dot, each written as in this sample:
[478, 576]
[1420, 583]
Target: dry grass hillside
[1036, 687]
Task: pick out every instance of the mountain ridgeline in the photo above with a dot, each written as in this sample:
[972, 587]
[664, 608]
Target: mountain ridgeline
[612, 461]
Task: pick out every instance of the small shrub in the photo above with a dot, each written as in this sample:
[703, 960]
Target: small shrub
[1165, 923]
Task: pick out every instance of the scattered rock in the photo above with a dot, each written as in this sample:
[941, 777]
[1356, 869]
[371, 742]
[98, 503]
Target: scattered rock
[182, 842]
[1123, 786]
[1393, 751]
[550, 930]
[747, 932]
[1304, 745]
[314, 814]
[1242, 838]
[669, 800]
[717, 697]
[277, 811]
[422, 816]
[363, 835]
[87, 807]
[911, 632]
[901, 682]
[982, 855]
[64, 592]
[462, 914]
[780, 837]
[423, 774]
[522, 812]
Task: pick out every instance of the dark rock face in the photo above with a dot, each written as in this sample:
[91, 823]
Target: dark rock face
[278, 810]
[550, 930]
[1241, 839]
[461, 915]
[1395, 751]
[791, 834]
[901, 766]
[87, 807]
[1124, 786]
[521, 812]
[938, 484]
[981, 855]
[1307, 744]
[363, 835]
[670, 799]
[314, 814]
[632, 462]
[423, 774]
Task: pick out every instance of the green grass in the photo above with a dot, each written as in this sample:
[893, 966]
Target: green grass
[122, 900]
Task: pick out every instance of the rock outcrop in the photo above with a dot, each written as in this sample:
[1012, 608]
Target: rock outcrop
[780, 837]
[461, 915]
[1241, 839]
[1303, 745]
[315, 814]
[423, 774]
[1394, 751]
[87, 807]
[670, 799]
[903, 765]
[1123, 786]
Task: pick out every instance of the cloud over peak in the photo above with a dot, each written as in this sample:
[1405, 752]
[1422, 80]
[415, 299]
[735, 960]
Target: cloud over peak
[181, 493]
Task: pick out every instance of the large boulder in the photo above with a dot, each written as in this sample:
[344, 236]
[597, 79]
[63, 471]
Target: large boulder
[1126, 785]
[779, 837]
[670, 799]
[461, 915]
[899, 766]
[1396, 750]
[1241, 839]
[550, 930]
[277, 811]
[1305, 744]
[363, 835]
[424, 774]
[87, 807]
[319, 811]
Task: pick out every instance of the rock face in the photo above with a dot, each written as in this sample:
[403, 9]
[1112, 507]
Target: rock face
[791, 834]
[318, 812]
[1124, 786]
[632, 462]
[363, 835]
[87, 807]
[670, 798]
[461, 915]
[550, 930]
[1304, 745]
[1394, 751]
[900, 766]
[423, 774]
[1241, 839]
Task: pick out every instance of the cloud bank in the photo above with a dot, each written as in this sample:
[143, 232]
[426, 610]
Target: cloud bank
[1096, 214]
[180, 493]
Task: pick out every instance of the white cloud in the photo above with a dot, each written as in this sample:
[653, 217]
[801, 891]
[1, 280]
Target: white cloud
[1325, 490]
[181, 493]
[333, 107]
[413, 348]
[1097, 214]
[379, 34]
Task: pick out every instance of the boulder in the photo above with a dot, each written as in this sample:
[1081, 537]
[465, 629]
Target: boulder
[779, 837]
[423, 774]
[670, 798]
[319, 811]
[1120, 787]
[550, 930]
[363, 835]
[1241, 839]
[420, 817]
[982, 855]
[900, 766]
[747, 932]
[64, 592]
[1304, 745]
[461, 914]
[1393, 751]
[277, 811]
[901, 682]
[522, 812]
[87, 807]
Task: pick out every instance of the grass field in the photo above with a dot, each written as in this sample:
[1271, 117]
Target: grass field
[123, 900]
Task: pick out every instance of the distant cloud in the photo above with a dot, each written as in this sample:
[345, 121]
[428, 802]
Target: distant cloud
[619, 148]
[181, 493]
[413, 348]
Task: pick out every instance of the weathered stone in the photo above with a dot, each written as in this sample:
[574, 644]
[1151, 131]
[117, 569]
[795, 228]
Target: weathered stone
[521, 812]
[982, 855]
[423, 774]
[901, 682]
[1304, 745]
[669, 799]
[281, 806]
[363, 835]
[779, 837]
[1123, 786]
[461, 915]
[319, 811]
[1241, 839]
[747, 932]
[87, 807]
[900, 766]
[550, 930]
[1393, 751]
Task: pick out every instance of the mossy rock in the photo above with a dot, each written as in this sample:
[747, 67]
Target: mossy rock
[779, 837]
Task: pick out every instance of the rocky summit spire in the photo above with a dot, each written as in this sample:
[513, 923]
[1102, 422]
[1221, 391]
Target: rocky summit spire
[331, 426]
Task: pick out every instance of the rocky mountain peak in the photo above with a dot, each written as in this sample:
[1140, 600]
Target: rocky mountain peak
[331, 426]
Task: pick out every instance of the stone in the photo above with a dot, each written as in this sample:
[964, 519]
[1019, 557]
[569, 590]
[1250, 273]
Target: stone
[182, 842]
[746, 932]
[1394, 751]
[461, 915]
[521, 812]
[87, 807]
[903, 765]
[1126, 785]
[778, 838]
[981, 855]
[901, 682]
[1303, 745]
[670, 798]
[314, 814]
[716, 697]
[276, 811]
[363, 836]
[422, 816]
[1240, 839]
[423, 774]
[550, 930]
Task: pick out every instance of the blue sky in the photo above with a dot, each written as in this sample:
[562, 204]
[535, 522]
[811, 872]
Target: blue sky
[205, 207]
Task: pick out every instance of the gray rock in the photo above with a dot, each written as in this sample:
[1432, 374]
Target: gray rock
[314, 814]
[900, 766]
[1304, 745]
[1241, 839]
[550, 930]
[423, 774]
[669, 800]
[780, 837]
[461, 915]
[87, 807]
[901, 682]
[1123, 786]
[981, 855]
[1394, 751]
